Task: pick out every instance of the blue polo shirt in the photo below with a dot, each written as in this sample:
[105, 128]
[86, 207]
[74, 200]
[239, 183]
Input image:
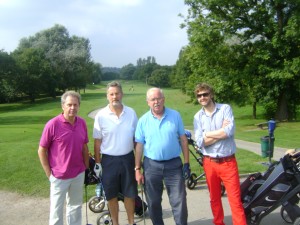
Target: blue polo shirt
[160, 137]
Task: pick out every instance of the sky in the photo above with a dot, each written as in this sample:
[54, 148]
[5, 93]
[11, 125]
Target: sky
[120, 31]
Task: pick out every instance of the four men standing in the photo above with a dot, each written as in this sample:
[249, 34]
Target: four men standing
[160, 139]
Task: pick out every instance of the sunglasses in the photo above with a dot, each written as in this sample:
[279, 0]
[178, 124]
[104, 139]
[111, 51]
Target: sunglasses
[202, 95]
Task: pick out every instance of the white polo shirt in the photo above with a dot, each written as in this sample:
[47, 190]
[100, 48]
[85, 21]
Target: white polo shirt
[117, 134]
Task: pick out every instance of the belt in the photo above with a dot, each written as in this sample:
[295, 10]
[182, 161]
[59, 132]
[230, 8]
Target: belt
[220, 159]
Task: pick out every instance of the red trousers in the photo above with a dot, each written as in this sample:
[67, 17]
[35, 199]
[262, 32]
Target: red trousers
[226, 172]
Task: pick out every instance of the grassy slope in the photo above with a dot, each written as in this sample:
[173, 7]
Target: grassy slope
[21, 125]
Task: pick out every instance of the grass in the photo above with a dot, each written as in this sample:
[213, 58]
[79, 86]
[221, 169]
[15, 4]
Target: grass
[21, 125]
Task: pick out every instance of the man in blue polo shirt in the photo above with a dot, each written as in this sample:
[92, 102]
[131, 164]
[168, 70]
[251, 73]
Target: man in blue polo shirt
[160, 137]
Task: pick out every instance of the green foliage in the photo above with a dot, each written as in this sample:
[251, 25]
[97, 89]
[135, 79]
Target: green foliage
[246, 51]
[160, 77]
[46, 63]
[127, 72]
[21, 125]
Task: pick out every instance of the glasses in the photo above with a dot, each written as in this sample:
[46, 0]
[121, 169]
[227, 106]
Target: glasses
[155, 99]
[206, 94]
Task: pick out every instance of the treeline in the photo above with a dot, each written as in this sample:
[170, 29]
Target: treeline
[146, 70]
[49, 62]
[249, 52]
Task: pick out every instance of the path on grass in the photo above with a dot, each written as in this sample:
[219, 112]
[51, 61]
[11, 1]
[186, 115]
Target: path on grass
[19, 209]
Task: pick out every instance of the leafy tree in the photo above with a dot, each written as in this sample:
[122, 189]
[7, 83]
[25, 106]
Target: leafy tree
[249, 50]
[181, 73]
[96, 72]
[33, 69]
[68, 58]
[160, 77]
[144, 68]
[111, 76]
[127, 72]
[8, 71]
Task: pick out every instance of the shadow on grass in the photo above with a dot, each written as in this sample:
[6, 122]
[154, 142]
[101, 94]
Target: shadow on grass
[21, 120]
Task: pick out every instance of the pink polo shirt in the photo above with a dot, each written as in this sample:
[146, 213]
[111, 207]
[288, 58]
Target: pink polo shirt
[65, 144]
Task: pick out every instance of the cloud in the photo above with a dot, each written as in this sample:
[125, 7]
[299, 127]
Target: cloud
[120, 31]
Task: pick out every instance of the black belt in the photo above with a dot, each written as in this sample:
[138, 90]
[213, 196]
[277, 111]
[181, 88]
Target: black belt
[220, 159]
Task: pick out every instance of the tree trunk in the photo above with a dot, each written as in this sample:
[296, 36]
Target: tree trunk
[282, 108]
[254, 109]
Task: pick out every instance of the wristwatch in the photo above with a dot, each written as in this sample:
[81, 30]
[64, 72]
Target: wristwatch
[137, 168]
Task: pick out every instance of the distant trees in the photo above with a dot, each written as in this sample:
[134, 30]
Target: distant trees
[48, 62]
[8, 70]
[110, 73]
[249, 51]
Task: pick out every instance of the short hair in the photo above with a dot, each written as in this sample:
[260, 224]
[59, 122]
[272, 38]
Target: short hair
[70, 93]
[114, 84]
[154, 89]
[204, 87]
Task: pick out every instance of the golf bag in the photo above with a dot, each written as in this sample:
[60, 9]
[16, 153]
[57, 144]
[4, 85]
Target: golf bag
[279, 185]
[90, 175]
[97, 203]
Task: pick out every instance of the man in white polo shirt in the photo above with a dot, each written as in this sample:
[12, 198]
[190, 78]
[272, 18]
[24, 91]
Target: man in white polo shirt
[113, 134]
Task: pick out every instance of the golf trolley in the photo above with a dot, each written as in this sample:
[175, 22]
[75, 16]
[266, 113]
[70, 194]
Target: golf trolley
[278, 186]
[97, 203]
[198, 156]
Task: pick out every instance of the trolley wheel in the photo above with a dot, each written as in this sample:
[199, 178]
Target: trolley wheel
[191, 182]
[104, 219]
[96, 204]
[297, 221]
[222, 189]
[285, 216]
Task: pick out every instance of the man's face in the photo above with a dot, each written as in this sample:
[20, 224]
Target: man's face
[71, 106]
[156, 101]
[114, 96]
[204, 97]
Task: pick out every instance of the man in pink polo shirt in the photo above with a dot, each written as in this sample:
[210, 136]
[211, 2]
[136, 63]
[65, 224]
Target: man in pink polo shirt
[63, 153]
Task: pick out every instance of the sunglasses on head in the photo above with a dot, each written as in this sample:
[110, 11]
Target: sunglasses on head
[206, 94]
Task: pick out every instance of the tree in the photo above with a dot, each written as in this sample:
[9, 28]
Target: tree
[144, 68]
[33, 71]
[182, 71]
[96, 72]
[8, 71]
[68, 58]
[160, 77]
[127, 72]
[249, 50]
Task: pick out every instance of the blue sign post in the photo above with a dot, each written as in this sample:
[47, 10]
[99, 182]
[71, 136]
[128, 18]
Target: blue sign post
[271, 128]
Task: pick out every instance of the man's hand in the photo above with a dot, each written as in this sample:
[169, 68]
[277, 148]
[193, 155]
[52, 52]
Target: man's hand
[186, 171]
[98, 169]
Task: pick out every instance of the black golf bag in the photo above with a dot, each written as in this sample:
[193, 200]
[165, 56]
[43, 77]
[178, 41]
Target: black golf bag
[279, 185]
[96, 203]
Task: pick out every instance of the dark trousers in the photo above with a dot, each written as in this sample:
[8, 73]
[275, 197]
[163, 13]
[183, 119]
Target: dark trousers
[168, 172]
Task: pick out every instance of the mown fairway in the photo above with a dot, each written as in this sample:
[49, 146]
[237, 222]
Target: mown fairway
[21, 125]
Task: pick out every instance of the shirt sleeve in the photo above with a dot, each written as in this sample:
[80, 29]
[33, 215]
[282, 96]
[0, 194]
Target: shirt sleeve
[139, 132]
[228, 115]
[97, 129]
[198, 130]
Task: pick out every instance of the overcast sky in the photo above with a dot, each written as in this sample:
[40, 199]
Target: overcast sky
[120, 31]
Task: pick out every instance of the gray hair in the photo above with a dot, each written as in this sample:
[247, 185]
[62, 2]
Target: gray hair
[70, 93]
[155, 89]
[114, 84]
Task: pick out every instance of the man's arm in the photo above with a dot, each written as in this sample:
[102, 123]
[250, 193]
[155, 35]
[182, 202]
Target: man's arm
[43, 156]
[211, 137]
[85, 153]
[139, 147]
[185, 148]
[97, 143]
